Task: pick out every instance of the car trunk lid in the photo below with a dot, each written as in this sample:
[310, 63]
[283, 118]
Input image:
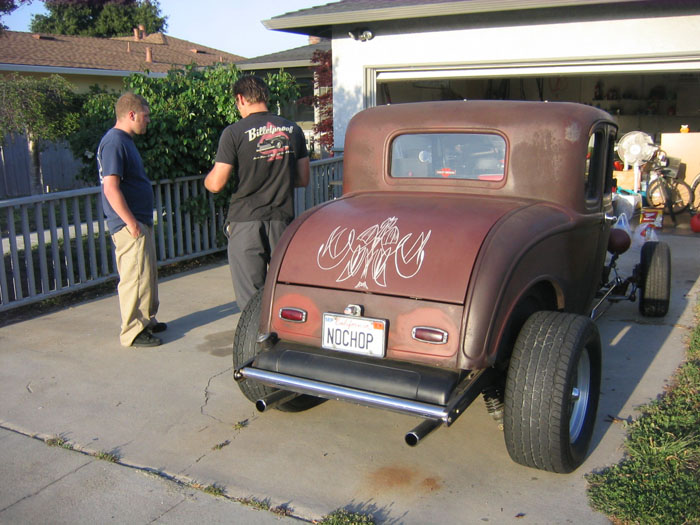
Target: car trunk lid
[409, 244]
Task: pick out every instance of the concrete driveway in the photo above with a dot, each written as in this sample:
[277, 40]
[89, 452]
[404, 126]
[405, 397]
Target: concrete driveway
[175, 410]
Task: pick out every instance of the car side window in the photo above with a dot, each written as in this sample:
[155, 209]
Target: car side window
[596, 155]
[470, 156]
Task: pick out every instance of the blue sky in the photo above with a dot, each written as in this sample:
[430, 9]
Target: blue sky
[228, 25]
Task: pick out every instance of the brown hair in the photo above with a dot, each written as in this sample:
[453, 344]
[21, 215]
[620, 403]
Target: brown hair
[129, 102]
[253, 88]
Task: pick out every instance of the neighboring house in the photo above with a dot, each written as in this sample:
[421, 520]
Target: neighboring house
[84, 62]
[640, 60]
[298, 63]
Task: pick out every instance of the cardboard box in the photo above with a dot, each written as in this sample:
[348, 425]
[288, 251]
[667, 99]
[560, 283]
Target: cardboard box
[625, 179]
[686, 147]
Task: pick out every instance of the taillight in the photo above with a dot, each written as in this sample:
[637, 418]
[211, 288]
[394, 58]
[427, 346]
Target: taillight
[295, 315]
[427, 334]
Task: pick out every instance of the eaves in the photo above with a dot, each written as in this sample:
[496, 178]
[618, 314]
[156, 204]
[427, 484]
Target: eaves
[251, 66]
[323, 20]
[49, 70]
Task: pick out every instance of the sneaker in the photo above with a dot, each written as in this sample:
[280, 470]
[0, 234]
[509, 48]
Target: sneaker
[158, 327]
[145, 338]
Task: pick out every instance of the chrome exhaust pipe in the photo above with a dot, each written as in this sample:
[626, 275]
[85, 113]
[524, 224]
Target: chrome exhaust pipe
[278, 397]
[416, 435]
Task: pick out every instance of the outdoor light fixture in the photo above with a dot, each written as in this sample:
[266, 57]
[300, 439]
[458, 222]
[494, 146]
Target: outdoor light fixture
[361, 34]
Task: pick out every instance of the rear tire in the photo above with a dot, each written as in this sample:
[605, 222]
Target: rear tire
[655, 279]
[245, 349]
[552, 391]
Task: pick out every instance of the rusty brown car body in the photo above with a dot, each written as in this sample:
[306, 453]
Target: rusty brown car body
[470, 235]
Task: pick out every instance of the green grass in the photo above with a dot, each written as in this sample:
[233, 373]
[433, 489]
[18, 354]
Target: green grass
[658, 481]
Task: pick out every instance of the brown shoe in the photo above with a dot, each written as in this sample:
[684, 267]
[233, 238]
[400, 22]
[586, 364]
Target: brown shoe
[145, 338]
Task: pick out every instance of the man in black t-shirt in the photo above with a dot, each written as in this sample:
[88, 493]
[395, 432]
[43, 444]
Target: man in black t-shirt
[268, 155]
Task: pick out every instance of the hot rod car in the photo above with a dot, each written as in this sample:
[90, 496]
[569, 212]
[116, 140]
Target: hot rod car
[464, 258]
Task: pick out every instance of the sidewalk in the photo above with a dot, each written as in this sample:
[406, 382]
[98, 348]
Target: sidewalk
[175, 419]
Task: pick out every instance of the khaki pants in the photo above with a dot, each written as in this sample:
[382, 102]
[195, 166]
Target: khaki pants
[138, 281]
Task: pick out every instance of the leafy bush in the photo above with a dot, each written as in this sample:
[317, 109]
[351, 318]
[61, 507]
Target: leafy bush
[190, 107]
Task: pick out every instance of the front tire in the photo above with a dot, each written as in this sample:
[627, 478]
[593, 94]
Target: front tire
[655, 279]
[245, 349]
[552, 391]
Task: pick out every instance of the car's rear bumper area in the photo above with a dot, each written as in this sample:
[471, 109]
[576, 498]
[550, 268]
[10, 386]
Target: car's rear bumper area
[419, 390]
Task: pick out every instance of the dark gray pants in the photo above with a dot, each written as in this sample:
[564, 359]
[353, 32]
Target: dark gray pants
[250, 246]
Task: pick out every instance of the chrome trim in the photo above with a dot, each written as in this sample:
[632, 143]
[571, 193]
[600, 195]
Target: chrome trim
[443, 332]
[328, 391]
[303, 314]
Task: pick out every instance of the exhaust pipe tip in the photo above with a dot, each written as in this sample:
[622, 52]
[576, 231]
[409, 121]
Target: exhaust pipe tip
[276, 398]
[419, 433]
[411, 439]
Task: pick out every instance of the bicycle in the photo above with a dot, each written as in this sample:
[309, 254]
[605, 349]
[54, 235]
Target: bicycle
[695, 188]
[665, 190]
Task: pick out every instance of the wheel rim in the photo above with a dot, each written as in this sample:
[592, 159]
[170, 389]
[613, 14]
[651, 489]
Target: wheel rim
[580, 393]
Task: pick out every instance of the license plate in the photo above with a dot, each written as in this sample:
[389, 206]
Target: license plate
[358, 335]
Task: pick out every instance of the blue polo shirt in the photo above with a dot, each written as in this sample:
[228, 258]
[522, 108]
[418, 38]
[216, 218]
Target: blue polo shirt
[117, 155]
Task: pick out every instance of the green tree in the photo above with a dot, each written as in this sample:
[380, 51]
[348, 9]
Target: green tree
[7, 6]
[99, 18]
[39, 108]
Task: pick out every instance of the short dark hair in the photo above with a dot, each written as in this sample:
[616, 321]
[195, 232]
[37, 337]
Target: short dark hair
[253, 88]
[129, 102]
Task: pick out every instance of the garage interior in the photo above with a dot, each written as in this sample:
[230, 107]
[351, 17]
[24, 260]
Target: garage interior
[654, 103]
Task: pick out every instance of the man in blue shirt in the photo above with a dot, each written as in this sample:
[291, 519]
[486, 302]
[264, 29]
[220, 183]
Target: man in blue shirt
[127, 198]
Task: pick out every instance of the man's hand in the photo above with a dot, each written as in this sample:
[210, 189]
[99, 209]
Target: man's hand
[217, 178]
[134, 229]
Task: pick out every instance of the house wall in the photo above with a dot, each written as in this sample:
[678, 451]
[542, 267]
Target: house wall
[82, 83]
[611, 47]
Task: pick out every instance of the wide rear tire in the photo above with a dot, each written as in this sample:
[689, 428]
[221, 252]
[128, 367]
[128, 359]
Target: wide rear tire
[655, 279]
[552, 391]
[245, 349]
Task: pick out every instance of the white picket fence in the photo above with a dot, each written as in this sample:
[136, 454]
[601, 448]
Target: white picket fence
[58, 242]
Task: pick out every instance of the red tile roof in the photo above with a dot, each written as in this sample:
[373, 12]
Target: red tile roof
[34, 52]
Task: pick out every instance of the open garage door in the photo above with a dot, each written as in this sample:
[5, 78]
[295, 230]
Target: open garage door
[653, 94]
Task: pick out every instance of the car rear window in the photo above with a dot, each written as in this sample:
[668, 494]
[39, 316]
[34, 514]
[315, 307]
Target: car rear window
[471, 156]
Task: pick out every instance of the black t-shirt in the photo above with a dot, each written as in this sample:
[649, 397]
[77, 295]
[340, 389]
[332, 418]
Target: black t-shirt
[263, 149]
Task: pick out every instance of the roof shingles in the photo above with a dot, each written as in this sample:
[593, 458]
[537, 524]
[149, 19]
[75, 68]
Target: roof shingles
[109, 54]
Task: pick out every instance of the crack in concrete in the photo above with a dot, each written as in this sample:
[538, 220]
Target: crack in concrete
[202, 408]
[173, 507]
[36, 493]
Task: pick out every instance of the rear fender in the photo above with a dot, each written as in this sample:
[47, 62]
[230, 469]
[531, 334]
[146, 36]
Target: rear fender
[538, 244]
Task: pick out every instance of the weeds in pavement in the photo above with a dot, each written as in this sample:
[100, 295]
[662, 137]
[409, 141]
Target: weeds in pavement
[344, 517]
[214, 490]
[58, 441]
[108, 456]
[221, 445]
[254, 503]
[240, 425]
[658, 481]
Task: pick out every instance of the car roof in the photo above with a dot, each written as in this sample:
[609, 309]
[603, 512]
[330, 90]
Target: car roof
[546, 142]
